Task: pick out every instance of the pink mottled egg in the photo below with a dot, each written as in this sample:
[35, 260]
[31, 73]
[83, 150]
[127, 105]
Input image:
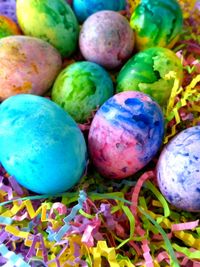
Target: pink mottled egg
[28, 65]
[125, 134]
[107, 39]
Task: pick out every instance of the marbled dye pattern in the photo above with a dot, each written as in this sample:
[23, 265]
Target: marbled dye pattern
[27, 65]
[8, 8]
[106, 39]
[85, 8]
[157, 23]
[125, 134]
[8, 27]
[52, 21]
[149, 72]
[40, 144]
[81, 88]
[178, 170]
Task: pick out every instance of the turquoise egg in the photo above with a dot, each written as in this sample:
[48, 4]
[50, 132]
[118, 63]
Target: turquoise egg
[84, 8]
[81, 88]
[40, 144]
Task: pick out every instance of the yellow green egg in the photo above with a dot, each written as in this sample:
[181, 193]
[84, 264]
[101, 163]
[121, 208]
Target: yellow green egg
[50, 20]
[27, 65]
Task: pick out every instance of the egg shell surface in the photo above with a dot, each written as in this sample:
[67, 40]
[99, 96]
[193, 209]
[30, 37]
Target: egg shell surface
[81, 88]
[40, 144]
[8, 27]
[85, 8]
[157, 23]
[153, 72]
[106, 39]
[28, 65]
[53, 21]
[178, 170]
[8, 9]
[125, 134]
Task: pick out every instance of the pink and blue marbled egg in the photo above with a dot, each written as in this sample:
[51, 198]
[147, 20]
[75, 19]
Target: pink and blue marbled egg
[178, 170]
[107, 39]
[125, 134]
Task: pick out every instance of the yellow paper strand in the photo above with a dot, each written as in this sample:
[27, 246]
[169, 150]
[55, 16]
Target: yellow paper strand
[188, 239]
[173, 111]
[103, 250]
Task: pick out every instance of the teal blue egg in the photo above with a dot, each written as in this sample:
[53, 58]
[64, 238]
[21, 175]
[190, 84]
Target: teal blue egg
[40, 144]
[85, 8]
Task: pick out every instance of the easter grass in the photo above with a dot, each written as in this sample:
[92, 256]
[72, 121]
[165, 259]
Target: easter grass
[103, 222]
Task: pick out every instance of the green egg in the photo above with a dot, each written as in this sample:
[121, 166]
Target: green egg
[50, 20]
[81, 88]
[157, 23]
[153, 72]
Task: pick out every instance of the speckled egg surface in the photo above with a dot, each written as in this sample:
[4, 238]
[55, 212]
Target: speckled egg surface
[125, 134]
[85, 8]
[178, 170]
[106, 39]
[40, 144]
[81, 88]
[52, 21]
[157, 23]
[28, 65]
[153, 72]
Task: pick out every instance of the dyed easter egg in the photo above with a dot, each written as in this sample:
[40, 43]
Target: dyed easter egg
[8, 9]
[84, 8]
[8, 27]
[28, 65]
[34, 262]
[107, 39]
[69, 2]
[52, 21]
[40, 144]
[152, 72]
[81, 88]
[125, 134]
[157, 23]
[178, 170]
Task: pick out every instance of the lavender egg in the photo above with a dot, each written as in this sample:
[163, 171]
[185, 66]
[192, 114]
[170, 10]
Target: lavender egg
[125, 134]
[106, 38]
[8, 8]
[178, 170]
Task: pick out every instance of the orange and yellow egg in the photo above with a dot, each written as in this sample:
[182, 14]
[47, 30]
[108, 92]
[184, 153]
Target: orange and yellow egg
[8, 27]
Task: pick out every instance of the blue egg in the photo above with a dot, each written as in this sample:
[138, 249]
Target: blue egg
[178, 170]
[84, 8]
[40, 144]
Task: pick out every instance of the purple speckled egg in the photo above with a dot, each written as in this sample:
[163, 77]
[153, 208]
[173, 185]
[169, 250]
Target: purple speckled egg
[8, 8]
[125, 134]
[106, 38]
[178, 170]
